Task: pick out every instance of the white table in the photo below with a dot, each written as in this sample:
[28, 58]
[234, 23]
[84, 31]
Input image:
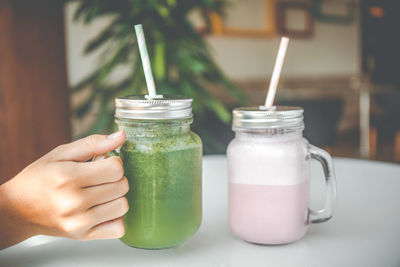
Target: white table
[365, 230]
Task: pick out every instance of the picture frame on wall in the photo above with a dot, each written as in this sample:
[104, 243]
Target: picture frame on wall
[294, 19]
[340, 12]
[260, 21]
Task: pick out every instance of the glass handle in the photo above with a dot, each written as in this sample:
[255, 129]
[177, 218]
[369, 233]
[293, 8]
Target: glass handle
[325, 159]
[106, 155]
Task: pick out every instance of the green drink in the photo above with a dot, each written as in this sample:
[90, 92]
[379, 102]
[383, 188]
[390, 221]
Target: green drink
[162, 161]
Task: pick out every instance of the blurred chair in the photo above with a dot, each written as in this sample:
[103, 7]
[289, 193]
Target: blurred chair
[386, 125]
[321, 117]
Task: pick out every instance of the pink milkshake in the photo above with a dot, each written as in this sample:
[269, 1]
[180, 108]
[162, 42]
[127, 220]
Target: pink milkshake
[268, 168]
[269, 214]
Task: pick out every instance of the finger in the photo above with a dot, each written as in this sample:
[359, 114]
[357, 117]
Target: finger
[107, 230]
[109, 211]
[85, 148]
[100, 194]
[98, 172]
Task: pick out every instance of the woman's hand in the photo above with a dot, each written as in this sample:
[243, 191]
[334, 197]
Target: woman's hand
[62, 194]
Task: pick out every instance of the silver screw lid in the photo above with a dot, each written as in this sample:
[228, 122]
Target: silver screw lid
[159, 108]
[265, 118]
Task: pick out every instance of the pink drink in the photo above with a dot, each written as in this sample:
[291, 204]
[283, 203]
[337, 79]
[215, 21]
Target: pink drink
[268, 188]
[269, 214]
[269, 173]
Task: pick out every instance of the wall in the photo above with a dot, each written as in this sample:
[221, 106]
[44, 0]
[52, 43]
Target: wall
[332, 51]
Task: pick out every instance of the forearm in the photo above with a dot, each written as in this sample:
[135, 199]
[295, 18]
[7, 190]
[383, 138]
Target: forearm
[13, 228]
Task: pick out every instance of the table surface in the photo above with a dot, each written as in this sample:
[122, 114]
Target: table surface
[365, 229]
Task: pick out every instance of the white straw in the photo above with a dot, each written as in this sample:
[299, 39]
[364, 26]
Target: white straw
[269, 101]
[151, 88]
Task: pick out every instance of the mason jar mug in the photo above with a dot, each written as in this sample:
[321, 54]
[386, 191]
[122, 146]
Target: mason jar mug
[269, 173]
[162, 160]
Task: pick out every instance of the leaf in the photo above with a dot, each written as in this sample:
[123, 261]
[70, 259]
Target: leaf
[89, 80]
[102, 121]
[86, 105]
[99, 40]
[84, 5]
[159, 60]
[220, 110]
[118, 57]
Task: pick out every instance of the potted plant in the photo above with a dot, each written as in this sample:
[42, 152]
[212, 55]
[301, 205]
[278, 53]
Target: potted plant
[180, 57]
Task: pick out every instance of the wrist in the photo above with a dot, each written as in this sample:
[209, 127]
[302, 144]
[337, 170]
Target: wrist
[13, 227]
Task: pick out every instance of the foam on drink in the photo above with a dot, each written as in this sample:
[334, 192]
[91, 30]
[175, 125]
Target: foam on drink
[277, 160]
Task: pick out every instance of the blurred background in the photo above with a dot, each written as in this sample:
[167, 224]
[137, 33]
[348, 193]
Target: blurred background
[63, 62]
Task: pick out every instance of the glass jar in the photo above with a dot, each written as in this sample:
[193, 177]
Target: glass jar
[162, 160]
[269, 173]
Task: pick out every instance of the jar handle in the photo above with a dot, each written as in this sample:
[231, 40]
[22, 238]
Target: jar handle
[106, 155]
[325, 159]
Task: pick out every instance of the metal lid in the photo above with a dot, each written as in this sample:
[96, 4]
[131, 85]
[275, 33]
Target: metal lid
[265, 118]
[160, 108]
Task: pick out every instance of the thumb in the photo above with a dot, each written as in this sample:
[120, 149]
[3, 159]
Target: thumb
[86, 148]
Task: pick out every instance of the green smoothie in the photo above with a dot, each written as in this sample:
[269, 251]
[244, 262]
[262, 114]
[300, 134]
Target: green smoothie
[162, 162]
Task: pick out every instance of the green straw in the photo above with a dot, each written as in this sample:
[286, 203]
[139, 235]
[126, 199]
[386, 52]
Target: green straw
[151, 88]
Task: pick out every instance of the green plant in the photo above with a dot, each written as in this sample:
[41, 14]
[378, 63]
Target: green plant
[181, 60]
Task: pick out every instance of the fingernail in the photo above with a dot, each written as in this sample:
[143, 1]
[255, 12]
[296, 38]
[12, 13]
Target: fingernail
[115, 135]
